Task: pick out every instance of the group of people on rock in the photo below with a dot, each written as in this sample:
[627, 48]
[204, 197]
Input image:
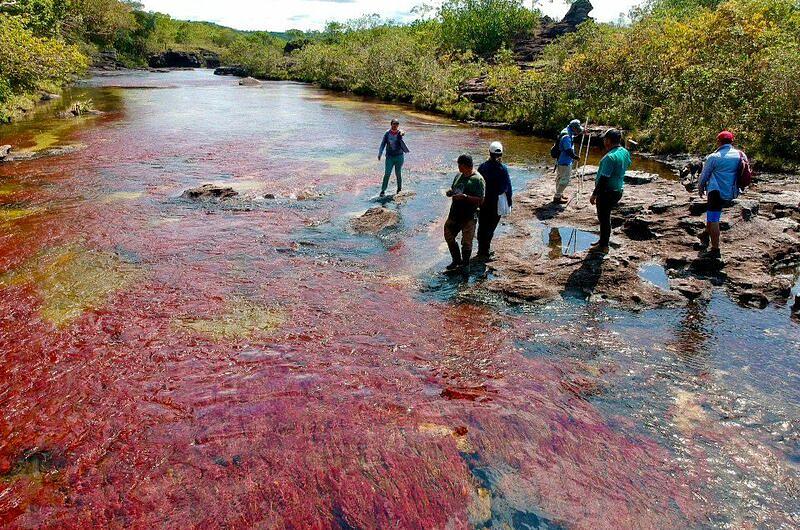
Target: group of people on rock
[479, 195]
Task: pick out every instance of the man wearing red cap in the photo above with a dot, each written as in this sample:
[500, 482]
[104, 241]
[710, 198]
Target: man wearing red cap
[719, 181]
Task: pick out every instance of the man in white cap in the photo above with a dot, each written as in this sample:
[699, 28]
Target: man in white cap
[498, 182]
[566, 157]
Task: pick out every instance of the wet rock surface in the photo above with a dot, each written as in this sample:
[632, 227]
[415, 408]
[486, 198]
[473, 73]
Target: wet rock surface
[19, 156]
[657, 220]
[208, 192]
[375, 220]
[250, 81]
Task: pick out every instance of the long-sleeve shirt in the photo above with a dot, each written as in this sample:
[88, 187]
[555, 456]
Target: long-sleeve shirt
[566, 145]
[393, 144]
[721, 171]
[498, 181]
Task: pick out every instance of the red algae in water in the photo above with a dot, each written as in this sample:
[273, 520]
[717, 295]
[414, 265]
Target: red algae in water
[313, 393]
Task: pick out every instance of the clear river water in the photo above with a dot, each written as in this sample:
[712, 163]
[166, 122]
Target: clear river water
[258, 364]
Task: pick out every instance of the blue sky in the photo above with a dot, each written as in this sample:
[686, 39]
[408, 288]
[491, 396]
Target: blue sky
[277, 15]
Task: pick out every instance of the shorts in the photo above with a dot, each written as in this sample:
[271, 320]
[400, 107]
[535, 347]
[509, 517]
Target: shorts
[715, 206]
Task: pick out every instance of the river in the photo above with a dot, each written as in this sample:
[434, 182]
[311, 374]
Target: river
[257, 364]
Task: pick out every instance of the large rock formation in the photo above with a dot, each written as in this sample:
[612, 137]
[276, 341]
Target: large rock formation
[529, 48]
[182, 59]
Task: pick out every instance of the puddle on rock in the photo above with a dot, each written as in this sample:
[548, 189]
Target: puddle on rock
[655, 274]
[567, 241]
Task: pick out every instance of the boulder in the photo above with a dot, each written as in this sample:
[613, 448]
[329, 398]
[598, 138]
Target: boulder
[4, 150]
[691, 288]
[236, 71]
[210, 192]
[49, 97]
[174, 59]
[638, 178]
[796, 306]
[639, 229]
[269, 196]
[375, 220]
[749, 208]
[249, 81]
[753, 299]
[661, 206]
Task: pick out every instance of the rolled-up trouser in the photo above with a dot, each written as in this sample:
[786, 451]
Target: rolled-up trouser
[452, 227]
[487, 224]
[563, 176]
[396, 163]
[606, 202]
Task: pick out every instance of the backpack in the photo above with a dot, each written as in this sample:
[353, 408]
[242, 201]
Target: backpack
[744, 177]
[555, 151]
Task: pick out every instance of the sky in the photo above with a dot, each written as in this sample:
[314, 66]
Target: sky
[280, 15]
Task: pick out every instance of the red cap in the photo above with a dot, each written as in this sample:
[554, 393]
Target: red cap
[725, 136]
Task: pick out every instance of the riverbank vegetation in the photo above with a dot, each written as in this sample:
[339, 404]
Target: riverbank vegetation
[674, 73]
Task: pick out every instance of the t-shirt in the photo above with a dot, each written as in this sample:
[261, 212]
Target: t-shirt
[566, 144]
[613, 167]
[472, 185]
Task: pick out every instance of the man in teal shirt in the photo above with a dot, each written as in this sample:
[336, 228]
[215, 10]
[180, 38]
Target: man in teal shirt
[609, 184]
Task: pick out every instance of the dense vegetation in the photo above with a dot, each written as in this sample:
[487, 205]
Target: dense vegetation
[674, 74]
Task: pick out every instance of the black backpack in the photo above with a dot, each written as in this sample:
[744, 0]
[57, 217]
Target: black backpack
[555, 151]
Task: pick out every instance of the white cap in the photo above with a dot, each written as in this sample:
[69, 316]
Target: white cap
[496, 148]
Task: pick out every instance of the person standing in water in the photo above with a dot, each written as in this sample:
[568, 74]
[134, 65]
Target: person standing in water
[395, 147]
[609, 185]
[498, 182]
[467, 191]
[566, 158]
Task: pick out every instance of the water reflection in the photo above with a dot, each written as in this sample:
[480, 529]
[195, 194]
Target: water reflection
[568, 241]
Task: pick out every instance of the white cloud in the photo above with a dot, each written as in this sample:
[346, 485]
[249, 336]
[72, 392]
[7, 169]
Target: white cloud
[278, 15]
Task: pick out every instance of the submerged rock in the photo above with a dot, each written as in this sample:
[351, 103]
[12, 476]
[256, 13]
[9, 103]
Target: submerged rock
[210, 192]
[375, 220]
[249, 81]
[18, 156]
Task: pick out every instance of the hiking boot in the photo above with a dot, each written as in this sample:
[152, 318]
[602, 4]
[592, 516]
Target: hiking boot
[712, 254]
[399, 191]
[560, 200]
[453, 266]
[705, 241]
[599, 248]
[383, 194]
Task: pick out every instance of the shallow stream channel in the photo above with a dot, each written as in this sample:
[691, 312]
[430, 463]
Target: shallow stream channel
[257, 363]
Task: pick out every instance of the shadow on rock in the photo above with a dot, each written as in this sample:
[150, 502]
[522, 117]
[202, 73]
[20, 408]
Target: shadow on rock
[585, 278]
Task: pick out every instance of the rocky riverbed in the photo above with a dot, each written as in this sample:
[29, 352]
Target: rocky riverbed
[653, 261]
